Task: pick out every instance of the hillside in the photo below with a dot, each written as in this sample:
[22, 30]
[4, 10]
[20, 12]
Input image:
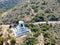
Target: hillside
[30, 8]
[41, 16]
[8, 4]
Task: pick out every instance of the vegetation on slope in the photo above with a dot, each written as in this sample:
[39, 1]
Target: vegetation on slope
[49, 39]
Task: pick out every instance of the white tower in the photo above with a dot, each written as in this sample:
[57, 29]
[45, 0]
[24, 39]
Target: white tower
[20, 29]
[21, 25]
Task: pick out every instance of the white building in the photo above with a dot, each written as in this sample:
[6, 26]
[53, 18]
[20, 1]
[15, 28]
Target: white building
[20, 29]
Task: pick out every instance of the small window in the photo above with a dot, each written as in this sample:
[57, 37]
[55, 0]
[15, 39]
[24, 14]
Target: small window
[21, 25]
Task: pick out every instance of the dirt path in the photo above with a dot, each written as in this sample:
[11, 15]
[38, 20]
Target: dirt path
[49, 22]
[4, 29]
[40, 40]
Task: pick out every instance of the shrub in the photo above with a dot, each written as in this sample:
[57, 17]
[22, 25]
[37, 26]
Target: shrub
[42, 8]
[16, 20]
[32, 15]
[53, 18]
[27, 25]
[45, 27]
[47, 43]
[32, 2]
[31, 25]
[52, 40]
[44, 3]
[0, 28]
[1, 11]
[48, 10]
[24, 6]
[1, 40]
[36, 31]
[38, 18]
[58, 1]
[30, 41]
[12, 41]
[27, 13]
[35, 8]
[46, 35]
[22, 16]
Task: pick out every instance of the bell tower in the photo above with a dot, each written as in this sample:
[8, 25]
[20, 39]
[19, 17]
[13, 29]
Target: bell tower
[21, 25]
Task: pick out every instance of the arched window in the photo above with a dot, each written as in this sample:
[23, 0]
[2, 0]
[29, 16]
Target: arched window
[21, 25]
